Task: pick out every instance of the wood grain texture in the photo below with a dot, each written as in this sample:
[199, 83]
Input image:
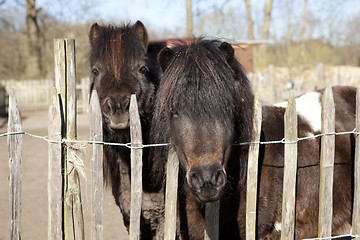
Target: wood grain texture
[97, 201]
[212, 213]
[252, 172]
[136, 169]
[356, 209]
[290, 170]
[55, 154]
[326, 164]
[172, 173]
[15, 158]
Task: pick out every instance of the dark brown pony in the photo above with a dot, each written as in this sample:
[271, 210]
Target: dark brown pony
[119, 68]
[204, 108]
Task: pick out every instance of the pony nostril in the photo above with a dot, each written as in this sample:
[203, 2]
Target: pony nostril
[218, 178]
[195, 180]
[108, 106]
[126, 103]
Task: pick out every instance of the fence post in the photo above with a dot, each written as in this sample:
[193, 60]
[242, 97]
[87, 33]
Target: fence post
[15, 149]
[96, 134]
[60, 65]
[252, 172]
[55, 154]
[136, 169]
[65, 77]
[356, 210]
[3, 99]
[84, 94]
[172, 173]
[212, 212]
[290, 169]
[73, 215]
[326, 164]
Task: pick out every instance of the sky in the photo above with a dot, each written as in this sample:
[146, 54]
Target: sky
[160, 13]
[171, 14]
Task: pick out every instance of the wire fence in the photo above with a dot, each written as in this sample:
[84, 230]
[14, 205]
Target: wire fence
[128, 145]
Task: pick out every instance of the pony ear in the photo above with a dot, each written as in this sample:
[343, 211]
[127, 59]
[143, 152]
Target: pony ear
[164, 58]
[95, 31]
[141, 32]
[227, 51]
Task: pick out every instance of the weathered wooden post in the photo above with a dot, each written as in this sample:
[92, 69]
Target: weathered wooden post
[136, 169]
[356, 210]
[326, 164]
[172, 173]
[15, 151]
[55, 154]
[65, 77]
[84, 94]
[3, 98]
[212, 212]
[252, 172]
[96, 134]
[290, 170]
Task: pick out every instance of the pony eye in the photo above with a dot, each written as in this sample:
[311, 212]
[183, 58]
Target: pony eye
[95, 72]
[143, 69]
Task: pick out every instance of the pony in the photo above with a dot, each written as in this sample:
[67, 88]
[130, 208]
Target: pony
[204, 108]
[271, 165]
[203, 105]
[119, 68]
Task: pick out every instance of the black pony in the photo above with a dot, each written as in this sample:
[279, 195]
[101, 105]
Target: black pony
[204, 108]
[119, 68]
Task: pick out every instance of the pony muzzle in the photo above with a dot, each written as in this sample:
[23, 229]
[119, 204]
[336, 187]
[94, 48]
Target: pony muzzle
[117, 113]
[207, 182]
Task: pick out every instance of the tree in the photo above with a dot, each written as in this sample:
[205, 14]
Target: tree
[34, 65]
[267, 19]
[249, 20]
[189, 19]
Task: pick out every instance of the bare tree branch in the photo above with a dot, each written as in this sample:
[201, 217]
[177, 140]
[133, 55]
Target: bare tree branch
[249, 19]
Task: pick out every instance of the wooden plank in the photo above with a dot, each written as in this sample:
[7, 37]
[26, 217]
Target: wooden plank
[252, 172]
[212, 212]
[70, 89]
[172, 173]
[356, 209]
[136, 169]
[55, 154]
[73, 215]
[290, 170]
[326, 164]
[96, 134]
[60, 63]
[15, 151]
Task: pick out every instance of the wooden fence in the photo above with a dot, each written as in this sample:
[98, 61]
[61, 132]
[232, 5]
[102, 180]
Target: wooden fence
[35, 95]
[64, 195]
[275, 83]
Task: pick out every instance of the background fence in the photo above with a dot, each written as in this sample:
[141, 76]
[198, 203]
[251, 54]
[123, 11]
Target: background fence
[65, 210]
[35, 95]
[273, 83]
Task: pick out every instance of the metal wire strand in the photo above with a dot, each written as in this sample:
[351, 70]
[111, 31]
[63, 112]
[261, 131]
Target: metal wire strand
[128, 145]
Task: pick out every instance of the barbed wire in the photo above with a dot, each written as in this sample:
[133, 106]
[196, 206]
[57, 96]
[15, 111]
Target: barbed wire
[128, 145]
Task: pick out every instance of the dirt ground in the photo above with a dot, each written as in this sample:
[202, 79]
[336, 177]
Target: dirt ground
[34, 183]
